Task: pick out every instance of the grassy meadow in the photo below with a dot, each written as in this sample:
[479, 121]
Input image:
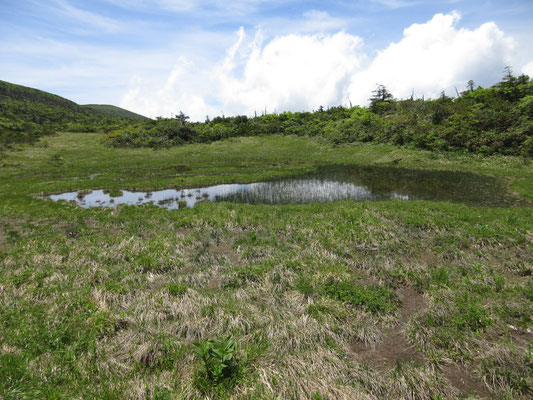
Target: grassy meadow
[343, 300]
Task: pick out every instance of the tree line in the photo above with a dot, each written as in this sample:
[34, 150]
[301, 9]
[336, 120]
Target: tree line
[494, 120]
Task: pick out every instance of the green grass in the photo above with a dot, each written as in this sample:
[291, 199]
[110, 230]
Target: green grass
[107, 302]
[373, 298]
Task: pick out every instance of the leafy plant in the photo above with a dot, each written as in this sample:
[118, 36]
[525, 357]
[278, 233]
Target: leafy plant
[160, 393]
[305, 286]
[219, 365]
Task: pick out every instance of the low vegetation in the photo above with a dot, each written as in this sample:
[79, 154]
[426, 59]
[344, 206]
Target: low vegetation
[358, 300]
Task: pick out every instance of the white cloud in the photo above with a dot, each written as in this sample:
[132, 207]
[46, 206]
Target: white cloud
[311, 22]
[303, 71]
[437, 56]
[205, 7]
[87, 18]
[528, 69]
[289, 72]
[293, 72]
[185, 89]
[394, 3]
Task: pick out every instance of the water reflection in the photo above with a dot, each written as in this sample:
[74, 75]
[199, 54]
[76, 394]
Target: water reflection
[331, 183]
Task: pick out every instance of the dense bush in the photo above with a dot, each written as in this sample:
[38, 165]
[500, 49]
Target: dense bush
[498, 119]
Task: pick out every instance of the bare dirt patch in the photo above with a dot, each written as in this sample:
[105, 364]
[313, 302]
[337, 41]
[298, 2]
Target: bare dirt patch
[394, 348]
[225, 249]
[214, 284]
[465, 381]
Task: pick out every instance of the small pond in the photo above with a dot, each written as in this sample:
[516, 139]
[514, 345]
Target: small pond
[330, 183]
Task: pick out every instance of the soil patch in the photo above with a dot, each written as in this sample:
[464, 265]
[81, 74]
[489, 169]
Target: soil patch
[394, 348]
[465, 381]
[225, 249]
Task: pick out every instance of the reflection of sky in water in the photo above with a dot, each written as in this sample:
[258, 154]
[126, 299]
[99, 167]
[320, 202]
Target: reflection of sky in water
[280, 192]
[331, 183]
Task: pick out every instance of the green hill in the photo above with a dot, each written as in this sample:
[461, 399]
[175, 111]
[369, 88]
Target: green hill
[27, 114]
[11, 91]
[115, 111]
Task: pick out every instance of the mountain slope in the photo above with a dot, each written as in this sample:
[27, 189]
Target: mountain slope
[115, 111]
[27, 113]
[11, 91]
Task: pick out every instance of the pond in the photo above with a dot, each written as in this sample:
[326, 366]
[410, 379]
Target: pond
[328, 183]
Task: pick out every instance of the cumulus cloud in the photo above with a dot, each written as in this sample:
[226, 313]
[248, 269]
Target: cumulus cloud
[293, 72]
[303, 71]
[186, 89]
[436, 56]
[528, 69]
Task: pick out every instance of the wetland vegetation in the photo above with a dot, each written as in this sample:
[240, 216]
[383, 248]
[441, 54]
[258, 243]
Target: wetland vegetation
[424, 299]
[325, 183]
[390, 299]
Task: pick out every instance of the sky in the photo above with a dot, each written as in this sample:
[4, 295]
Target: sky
[241, 57]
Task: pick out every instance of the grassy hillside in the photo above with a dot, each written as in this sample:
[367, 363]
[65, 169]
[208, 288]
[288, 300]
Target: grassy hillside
[11, 91]
[347, 300]
[115, 111]
[27, 113]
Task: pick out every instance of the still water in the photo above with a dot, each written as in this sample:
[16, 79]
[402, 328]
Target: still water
[331, 183]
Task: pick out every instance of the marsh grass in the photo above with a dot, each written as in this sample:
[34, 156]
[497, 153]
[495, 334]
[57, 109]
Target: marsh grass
[107, 303]
[114, 192]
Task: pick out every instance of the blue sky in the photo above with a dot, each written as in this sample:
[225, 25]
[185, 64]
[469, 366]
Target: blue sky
[207, 57]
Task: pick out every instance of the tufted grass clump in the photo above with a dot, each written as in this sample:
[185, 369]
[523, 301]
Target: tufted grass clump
[176, 289]
[374, 298]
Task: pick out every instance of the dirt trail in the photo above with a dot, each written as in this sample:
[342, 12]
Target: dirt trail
[394, 347]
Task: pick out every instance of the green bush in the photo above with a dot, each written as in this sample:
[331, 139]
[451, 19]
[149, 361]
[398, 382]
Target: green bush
[487, 121]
